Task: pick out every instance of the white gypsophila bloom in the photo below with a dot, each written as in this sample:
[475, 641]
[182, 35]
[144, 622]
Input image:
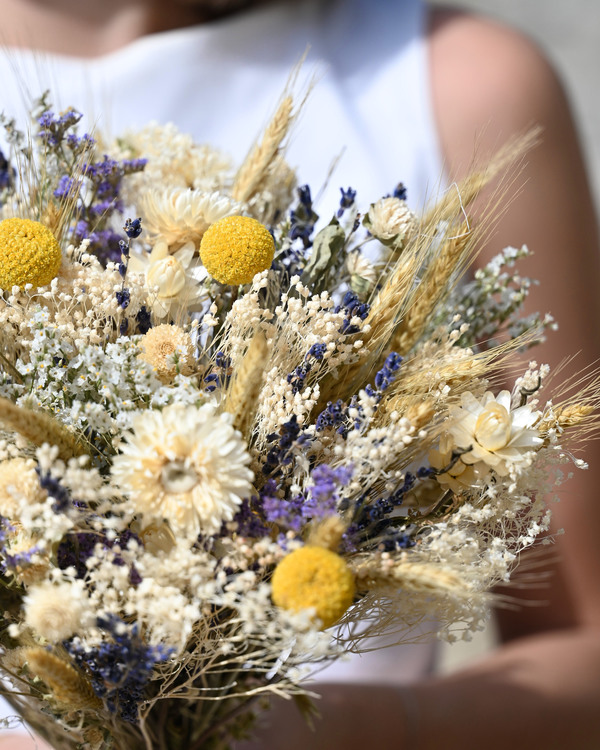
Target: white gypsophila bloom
[186, 465]
[56, 611]
[390, 220]
[169, 278]
[492, 433]
[181, 215]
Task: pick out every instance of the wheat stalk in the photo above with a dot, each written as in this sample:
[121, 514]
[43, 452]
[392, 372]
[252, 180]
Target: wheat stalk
[40, 428]
[255, 166]
[418, 578]
[242, 395]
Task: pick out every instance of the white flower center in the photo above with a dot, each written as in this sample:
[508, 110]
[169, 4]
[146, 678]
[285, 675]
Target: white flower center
[176, 477]
[493, 427]
[168, 275]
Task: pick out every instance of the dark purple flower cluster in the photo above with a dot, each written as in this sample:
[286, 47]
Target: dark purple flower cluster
[7, 173]
[323, 497]
[400, 191]
[120, 667]
[282, 448]
[282, 511]
[77, 547]
[220, 374]
[352, 307]
[374, 522]
[61, 495]
[346, 201]
[53, 129]
[303, 217]
[298, 376]
[249, 519]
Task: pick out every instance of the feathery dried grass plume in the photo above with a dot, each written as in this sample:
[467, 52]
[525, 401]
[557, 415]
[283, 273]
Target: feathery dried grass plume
[40, 428]
[68, 687]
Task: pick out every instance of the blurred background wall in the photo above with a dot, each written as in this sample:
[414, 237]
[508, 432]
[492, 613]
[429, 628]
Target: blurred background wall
[569, 33]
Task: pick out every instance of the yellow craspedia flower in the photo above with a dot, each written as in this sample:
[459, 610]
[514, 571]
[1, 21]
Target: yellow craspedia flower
[235, 248]
[316, 577]
[29, 253]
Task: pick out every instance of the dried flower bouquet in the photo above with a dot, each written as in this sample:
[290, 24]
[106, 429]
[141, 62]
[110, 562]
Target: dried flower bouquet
[234, 447]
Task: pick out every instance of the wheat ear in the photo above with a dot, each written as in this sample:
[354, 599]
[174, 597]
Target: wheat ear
[255, 166]
[40, 428]
[242, 395]
[68, 686]
[417, 578]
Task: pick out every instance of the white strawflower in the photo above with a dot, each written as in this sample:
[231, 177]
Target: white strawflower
[493, 433]
[169, 350]
[186, 465]
[180, 215]
[169, 278]
[56, 611]
[391, 220]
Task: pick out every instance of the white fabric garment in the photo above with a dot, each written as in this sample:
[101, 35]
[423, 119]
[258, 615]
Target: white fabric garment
[221, 82]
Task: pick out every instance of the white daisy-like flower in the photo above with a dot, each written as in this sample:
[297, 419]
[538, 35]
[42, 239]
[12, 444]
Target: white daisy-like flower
[493, 433]
[359, 266]
[56, 610]
[181, 215]
[186, 465]
[169, 277]
[391, 220]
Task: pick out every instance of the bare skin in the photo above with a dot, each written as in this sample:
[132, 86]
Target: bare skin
[542, 688]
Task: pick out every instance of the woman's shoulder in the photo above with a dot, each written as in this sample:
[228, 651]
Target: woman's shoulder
[487, 80]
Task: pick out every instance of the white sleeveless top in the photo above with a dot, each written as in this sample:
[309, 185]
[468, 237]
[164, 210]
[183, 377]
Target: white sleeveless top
[221, 81]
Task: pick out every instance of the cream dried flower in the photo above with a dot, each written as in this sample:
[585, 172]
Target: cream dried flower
[455, 474]
[169, 278]
[19, 483]
[493, 433]
[169, 350]
[180, 215]
[390, 220]
[186, 465]
[56, 611]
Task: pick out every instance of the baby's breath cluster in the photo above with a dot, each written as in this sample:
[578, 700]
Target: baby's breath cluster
[234, 447]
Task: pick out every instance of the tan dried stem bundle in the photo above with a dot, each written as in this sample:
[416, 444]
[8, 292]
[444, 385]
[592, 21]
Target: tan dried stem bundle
[40, 428]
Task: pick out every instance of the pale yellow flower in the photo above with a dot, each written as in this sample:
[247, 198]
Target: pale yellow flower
[169, 350]
[493, 433]
[169, 278]
[19, 484]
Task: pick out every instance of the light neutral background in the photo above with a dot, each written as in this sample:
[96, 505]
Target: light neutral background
[569, 33]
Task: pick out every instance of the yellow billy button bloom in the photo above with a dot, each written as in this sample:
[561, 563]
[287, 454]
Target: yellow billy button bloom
[236, 248]
[29, 253]
[314, 577]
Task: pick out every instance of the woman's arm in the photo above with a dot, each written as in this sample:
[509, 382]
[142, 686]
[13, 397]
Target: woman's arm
[541, 689]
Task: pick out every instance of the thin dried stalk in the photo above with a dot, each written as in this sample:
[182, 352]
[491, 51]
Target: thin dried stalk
[243, 393]
[255, 167]
[69, 688]
[40, 428]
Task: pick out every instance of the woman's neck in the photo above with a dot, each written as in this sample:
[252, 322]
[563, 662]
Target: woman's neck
[90, 28]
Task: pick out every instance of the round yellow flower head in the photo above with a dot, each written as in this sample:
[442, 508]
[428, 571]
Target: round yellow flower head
[29, 253]
[236, 248]
[316, 577]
